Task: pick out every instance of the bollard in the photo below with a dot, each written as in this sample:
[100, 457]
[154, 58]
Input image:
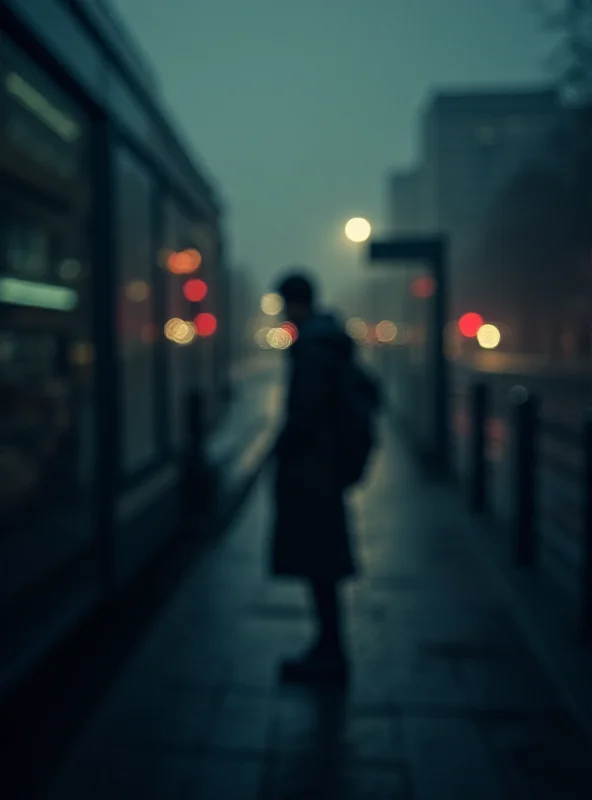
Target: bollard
[194, 412]
[525, 432]
[198, 489]
[587, 534]
[478, 460]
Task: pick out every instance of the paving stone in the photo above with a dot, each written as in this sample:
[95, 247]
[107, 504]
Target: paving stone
[311, 721]
[542, 755]
[151, 775]
[364, 783]
[445, 700]
[504, 684]
[243, 722]
[449, 759]
[299, 776]
[179, 718]
[371, 737]
[236, 779]
[305, 777]
[260, 644]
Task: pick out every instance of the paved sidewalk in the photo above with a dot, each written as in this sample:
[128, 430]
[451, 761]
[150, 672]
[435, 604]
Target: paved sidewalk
[446, 702]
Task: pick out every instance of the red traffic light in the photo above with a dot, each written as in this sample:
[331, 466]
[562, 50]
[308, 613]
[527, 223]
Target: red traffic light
[195, 290]
[469, 324]
[205, 324]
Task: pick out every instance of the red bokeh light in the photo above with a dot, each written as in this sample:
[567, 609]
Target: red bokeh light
[423, 287]
[205, 324]
[195, 290]
[291, 330]
[469, 324]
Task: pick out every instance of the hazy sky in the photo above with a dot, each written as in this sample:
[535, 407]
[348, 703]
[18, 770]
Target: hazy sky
[298, 108]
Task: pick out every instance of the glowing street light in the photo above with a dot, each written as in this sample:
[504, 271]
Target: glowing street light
[358, 230]
[272, 304]
[279, 339]
[489, 337]
[470, 324]
[178, 331]
[386, 331]
[357, 329]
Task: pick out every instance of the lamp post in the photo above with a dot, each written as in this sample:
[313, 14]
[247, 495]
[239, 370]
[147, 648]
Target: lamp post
[358, 230]
[433, 251]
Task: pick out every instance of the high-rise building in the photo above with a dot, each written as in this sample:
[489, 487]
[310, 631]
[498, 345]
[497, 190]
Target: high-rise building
[406, 206]
[472, 142]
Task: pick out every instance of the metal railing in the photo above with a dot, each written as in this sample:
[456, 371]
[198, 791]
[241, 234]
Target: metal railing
[549, 483]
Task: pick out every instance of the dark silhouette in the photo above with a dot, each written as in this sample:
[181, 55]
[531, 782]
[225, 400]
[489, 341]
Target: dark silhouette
[315, 463]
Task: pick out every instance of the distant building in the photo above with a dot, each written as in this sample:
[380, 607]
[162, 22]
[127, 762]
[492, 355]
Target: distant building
[472, 142]
[406, 202]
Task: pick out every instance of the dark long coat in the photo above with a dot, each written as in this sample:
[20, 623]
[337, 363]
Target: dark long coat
[311, 538]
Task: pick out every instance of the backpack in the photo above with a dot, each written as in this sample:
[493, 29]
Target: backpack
[357, 405]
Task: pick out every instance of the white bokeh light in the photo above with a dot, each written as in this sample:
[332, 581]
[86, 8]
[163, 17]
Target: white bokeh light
[279, 339]
[489, 337]
[357, 329]
[386, 331]
[358, 230]
[272, 304]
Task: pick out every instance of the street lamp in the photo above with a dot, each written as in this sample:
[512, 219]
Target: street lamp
[358, 230]
[489, 337]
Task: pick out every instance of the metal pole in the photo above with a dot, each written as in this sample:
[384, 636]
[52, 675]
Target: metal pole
[441, 388]
[587, 534]
[478, 463]
[197, 489]
[525, 424]
[194, 419]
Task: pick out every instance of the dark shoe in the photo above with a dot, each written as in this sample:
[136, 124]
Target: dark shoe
[317, 666]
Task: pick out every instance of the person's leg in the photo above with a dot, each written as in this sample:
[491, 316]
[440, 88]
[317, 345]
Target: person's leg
[326, 659]
[326, 602]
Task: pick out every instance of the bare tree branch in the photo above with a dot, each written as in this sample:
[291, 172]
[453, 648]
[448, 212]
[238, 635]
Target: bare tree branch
[572, 20]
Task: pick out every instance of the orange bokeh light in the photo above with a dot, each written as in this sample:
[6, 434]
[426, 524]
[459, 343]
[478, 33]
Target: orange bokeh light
[469, 324]
[205, 324]
[195, 290]
[184, 262]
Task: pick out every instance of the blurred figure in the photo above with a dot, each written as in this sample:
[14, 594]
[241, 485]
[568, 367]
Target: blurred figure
[321, 450]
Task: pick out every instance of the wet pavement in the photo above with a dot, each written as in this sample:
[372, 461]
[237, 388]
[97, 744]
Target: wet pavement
[445, 700]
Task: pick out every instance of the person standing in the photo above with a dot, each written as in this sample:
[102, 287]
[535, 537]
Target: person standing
[311, 537]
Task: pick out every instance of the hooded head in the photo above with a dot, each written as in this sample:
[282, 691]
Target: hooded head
[299, 295]
[314, 328]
